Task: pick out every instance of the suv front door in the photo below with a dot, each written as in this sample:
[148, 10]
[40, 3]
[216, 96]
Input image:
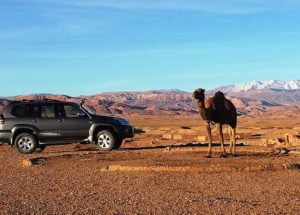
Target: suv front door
[74, 123]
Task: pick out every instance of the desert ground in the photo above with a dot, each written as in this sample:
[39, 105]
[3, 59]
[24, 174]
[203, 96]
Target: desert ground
[163, 170]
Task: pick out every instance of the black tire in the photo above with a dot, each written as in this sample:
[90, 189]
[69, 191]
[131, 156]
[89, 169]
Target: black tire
[39, 149]
[26, 143]
[106, 140]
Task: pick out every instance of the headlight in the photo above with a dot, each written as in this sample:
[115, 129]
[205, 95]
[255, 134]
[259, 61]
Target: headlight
[122, 121]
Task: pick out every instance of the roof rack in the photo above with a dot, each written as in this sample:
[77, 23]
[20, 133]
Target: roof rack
[37, 100]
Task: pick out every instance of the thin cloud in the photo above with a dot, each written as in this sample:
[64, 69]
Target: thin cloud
[211, 6]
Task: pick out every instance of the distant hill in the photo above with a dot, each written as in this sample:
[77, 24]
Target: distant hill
[251, 99]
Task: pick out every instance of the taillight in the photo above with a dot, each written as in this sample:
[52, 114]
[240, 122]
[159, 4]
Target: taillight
[2, 120]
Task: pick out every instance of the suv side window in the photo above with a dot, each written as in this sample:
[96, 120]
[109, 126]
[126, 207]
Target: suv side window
[72, 111]
[25, 110]
[48, 111]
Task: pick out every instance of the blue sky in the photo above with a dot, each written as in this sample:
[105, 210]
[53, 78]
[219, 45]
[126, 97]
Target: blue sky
[81, 47]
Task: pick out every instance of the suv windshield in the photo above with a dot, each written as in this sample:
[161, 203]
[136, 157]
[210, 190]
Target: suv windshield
[89, 109]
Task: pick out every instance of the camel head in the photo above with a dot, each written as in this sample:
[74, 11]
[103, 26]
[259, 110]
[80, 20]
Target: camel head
[198, 94]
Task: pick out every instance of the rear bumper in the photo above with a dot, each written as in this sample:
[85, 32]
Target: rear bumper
[5, 136]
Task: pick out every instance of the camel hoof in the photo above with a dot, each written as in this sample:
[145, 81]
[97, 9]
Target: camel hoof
[208, 156]
[223, 156]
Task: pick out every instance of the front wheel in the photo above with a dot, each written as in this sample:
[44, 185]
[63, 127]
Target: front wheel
[26, 143]
[106, 140]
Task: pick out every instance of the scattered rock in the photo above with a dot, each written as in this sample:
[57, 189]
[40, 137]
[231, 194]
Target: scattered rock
[238, 137]
[188, 132]
[273, 142]
[265, 141]
[164, 129]
[167, 136]
[294, 152]
[202, 138]
[155, 141]
[27, 163]
[177, 137]
[184, 169]
[168, 149]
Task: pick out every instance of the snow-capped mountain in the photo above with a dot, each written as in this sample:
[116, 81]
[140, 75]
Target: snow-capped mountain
[261, 85]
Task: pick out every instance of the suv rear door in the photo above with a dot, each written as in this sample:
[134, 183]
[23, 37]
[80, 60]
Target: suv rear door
[42, 117]
[74, 123]
[47, 122]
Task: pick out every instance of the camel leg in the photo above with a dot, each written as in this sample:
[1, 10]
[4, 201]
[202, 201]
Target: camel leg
[208, 131]
[224, 154]
[234, 140]
[230, 132]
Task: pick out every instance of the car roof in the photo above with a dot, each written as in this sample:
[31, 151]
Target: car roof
[45, 101]
[8, 108]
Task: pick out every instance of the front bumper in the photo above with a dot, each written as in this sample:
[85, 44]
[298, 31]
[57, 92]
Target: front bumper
[126, 131]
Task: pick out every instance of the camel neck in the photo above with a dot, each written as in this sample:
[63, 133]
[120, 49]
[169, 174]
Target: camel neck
[201, 106]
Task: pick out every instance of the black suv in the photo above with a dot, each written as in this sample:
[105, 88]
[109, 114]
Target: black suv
[32, 125]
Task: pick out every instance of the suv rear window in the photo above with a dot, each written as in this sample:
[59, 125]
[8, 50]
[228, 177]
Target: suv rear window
[25, 110]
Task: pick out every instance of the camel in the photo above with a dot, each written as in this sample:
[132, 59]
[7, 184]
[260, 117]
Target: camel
[217, 110]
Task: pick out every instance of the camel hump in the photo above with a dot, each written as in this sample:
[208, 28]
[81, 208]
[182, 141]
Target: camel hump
[219, 95]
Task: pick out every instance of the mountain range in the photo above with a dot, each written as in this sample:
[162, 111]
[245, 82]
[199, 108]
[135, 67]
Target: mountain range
[256, 98]
[261, 85]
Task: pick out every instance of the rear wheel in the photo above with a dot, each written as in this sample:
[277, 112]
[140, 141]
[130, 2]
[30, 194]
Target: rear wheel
[106, 140]
[26, 143]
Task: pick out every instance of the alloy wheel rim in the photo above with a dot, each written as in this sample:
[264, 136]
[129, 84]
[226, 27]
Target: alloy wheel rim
[25, 144]
[104, 141]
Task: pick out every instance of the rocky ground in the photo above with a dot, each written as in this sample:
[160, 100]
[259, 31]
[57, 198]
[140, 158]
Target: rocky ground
[153, 175]
[153, 180]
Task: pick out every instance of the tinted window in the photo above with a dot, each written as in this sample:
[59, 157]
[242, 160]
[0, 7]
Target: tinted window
[48, 111]
[26, 110]
[20, 110]
[72, 111]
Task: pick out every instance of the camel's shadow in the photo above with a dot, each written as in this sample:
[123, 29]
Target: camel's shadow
[186, 145]
[172, 147]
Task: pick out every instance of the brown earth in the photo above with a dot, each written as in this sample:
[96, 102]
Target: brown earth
[150, 175]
